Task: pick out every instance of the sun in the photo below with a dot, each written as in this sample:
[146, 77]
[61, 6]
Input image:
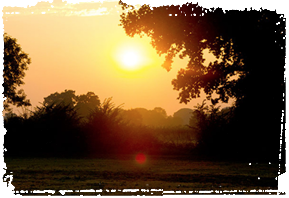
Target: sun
[130, 59]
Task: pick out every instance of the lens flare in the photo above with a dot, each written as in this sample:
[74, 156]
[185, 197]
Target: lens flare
[140, 158]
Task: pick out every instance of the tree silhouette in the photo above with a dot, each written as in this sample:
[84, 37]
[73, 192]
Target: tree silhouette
[185, 114]
[242, 41]
[59, 125]
[104, 126]
[154, 118]
[84, 104]
[132, 116]
[249, 47]
[15, 63]
[66, 97]
[210, 125]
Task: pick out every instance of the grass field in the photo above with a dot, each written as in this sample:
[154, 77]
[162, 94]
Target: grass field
[112, 175]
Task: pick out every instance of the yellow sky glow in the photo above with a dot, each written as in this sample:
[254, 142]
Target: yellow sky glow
[91, 52]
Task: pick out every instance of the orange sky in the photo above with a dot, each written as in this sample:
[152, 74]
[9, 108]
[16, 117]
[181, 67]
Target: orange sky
[75, 46]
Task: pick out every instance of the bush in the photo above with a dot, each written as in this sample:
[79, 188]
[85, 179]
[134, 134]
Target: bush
[51, 130]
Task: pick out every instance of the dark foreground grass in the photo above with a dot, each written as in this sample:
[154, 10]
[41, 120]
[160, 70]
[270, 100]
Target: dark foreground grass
[112, 175]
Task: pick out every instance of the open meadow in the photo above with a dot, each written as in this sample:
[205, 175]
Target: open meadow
[113, 175]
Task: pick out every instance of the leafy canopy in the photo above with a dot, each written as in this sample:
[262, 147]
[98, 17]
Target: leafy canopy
[16, 61]
[249, 47]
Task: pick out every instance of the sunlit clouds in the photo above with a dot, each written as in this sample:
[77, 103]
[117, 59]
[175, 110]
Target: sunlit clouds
[92, 12]
[60, 8]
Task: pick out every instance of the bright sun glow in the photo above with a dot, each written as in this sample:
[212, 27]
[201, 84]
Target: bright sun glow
[130, 59]
[131, 56]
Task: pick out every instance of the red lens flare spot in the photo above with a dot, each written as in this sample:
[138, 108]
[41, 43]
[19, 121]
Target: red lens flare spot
[140, 158]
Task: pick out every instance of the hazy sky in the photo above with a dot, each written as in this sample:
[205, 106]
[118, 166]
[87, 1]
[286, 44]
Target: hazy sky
[79, 46]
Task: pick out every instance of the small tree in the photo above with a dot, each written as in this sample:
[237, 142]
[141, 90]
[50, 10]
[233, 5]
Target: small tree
[16, 62]
[212, 128]
[84, 104]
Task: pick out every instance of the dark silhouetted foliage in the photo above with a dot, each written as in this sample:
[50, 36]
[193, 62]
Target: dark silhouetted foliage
[15, 63]
[211, 127]
[56, 130]
[243, 42]
[50, 130]
[103, 128]
[84, 104]
[249, 47]
[66, 98]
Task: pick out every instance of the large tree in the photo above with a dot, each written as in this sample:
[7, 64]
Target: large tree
[16, 61]
[249, 47]
[248, 44]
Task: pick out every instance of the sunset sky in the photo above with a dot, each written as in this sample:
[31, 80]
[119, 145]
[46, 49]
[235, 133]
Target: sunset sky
[80, 46]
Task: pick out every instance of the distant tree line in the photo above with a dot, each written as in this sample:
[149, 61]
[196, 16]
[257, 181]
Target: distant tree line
[69, 125]
[66, 124]
[157, 117]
